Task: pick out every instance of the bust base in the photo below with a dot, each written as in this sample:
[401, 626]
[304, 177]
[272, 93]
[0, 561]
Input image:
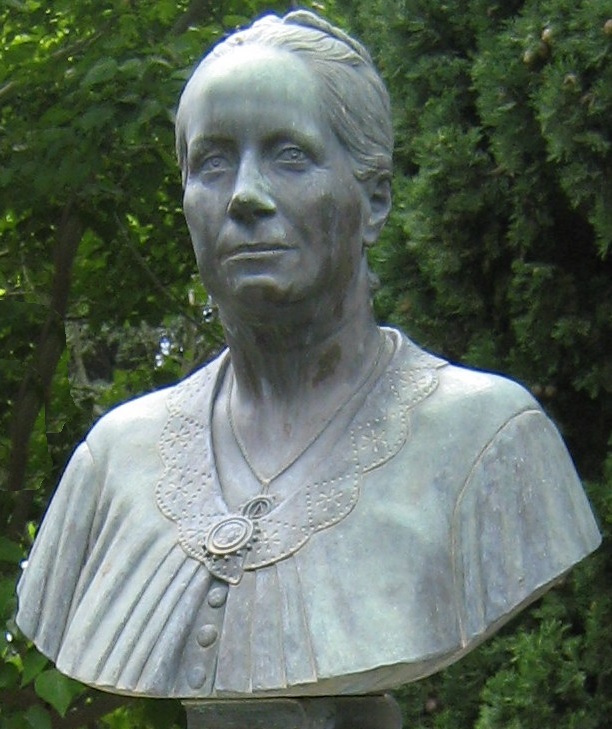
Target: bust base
[326, 712]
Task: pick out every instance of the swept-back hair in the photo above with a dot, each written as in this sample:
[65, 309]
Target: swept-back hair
[354, 95]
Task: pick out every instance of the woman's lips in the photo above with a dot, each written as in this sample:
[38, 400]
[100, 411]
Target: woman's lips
[255, 250]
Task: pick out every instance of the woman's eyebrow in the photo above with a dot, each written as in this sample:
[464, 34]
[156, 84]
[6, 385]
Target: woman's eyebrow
[310, 142]
[203, 142]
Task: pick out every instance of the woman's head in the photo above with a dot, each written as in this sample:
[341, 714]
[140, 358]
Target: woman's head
[353, 93]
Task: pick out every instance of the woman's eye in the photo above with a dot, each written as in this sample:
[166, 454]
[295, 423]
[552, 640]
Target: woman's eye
[292, 156]
[214, 163]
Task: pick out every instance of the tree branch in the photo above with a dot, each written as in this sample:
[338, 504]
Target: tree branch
[7, 88]
[140, 260]
[35, 387]
[198, 11]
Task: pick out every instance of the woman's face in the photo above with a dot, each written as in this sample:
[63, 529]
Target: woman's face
[275, 212]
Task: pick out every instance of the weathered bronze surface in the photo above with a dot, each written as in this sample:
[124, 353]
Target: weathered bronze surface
[325, 509]
[340, 712]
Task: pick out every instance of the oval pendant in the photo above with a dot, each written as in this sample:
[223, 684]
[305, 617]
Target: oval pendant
[229, 535]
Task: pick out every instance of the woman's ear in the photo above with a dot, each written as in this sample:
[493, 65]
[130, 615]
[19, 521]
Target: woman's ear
[378, 190]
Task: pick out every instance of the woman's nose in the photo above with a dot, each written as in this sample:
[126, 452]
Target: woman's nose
[251, 197]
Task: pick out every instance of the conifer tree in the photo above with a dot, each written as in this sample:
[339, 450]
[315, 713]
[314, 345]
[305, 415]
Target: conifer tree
[498, 255]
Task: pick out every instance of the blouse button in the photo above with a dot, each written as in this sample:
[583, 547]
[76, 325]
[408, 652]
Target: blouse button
[217, 597]
[196, 676]
[206, 635]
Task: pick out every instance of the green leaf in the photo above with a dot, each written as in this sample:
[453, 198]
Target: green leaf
[96, 117]
[7, 596]
[102, 71]
[9, 675]
[38, 718]
[57, 689]
[14, 721]
[33, 664]
[10, 551]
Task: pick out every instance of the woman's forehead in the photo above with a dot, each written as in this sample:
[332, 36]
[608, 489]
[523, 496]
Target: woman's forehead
[255, 65]
[266, 87]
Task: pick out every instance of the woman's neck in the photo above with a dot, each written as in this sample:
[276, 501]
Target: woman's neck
[291, 364]
[287, 386]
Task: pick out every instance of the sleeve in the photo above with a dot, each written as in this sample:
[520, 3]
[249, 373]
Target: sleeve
[522, 520]
[49, 581]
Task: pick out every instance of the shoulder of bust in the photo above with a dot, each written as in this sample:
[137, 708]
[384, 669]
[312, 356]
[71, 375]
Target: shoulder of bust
[459, 386]
[464, 383]
[145, 416]
[125, 416]
[472, 402]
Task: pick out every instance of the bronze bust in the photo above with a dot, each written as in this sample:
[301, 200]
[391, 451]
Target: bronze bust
[325, 509]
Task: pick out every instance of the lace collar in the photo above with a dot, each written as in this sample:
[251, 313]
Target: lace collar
[229, 542]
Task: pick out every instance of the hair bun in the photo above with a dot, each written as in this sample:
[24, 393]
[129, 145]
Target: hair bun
[306, 19]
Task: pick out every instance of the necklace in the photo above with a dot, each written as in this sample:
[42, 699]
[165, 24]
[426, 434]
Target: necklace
[230, 542]
[260, 505]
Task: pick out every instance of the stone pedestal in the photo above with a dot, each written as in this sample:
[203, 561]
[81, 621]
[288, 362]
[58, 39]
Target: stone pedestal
[329, 712]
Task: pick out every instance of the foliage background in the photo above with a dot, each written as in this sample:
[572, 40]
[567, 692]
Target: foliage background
[497, 255]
